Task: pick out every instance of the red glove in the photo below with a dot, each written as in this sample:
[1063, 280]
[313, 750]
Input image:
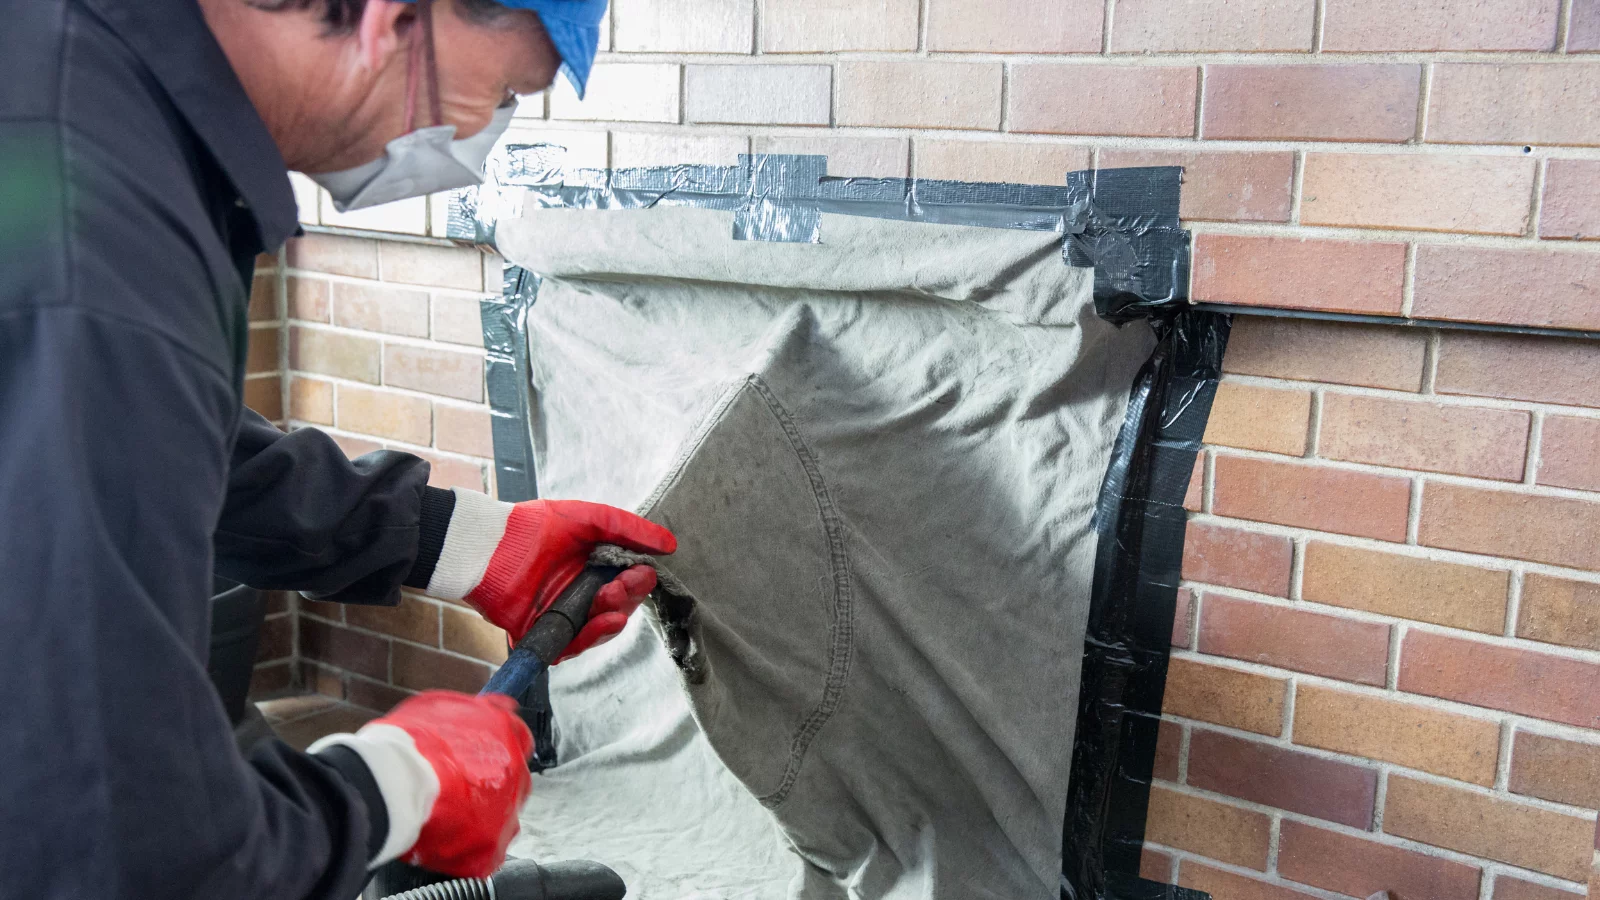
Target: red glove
[511, 562]
[453, 771]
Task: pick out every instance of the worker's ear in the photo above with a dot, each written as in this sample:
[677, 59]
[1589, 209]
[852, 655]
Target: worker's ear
[383, 31]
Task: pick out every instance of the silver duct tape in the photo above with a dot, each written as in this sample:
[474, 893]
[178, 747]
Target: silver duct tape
[1121, 222]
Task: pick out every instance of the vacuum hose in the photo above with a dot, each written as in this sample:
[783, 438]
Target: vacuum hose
[523, 879]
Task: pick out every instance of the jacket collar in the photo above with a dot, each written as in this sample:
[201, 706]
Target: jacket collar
[172, 39]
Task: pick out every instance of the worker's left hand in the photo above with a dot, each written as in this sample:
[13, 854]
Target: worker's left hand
[452, 770]
[539, 548]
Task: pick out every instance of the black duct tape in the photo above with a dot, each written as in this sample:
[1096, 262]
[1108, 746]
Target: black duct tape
[1140, 522]
[1123, 223]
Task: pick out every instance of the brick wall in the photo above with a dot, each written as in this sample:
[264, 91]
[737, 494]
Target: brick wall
[1386, 668]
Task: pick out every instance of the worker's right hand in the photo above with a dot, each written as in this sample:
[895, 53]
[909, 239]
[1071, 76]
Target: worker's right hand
[453, 771]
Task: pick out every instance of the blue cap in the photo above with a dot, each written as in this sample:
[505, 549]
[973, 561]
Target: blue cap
[574, 29]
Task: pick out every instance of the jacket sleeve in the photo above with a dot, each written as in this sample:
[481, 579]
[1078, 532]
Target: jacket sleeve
[121, 778]
[301, 516]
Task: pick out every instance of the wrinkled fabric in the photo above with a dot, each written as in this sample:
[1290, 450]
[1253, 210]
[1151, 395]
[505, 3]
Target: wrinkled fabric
[881, 455]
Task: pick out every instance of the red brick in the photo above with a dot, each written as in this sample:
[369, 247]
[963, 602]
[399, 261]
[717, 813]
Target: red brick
[1330, 646]
[1520, 367]
[264, 297]
[922, 94]
[1571, 199]
[324, 681]
[374, 696]
[1508, 888]
[276, 640]
[1200, 825]
[363, 654]
[673, 149]
[1312, 496]
[1221, 187]
[852, 157]
[1407, 734]
[1008, 161]
[1223, 696]
[1233, 558]
[1499, 677]
[1155, 866]
[1405, 586]
[419, 669]
[1297, 273]
[467, 633]
[413, 620]
[379, 307]
[684, 26]
[334, 254]
[622, 92]
[311, 400]
[1199, 26]
[461, 430]
[1015, 26]
[1359, 867]
[1554, 769]
[1259, 418]
[1194, 495]
[1558, 611]
[308, 298]
[1474, 103]
[447, 472]
[355, 446]
[1168, 745]
[1312, 102]
[265, 396]
[1285, 779]
[1331, 352]
[263, 350]
[1584, 31]
[385, 414]
[272, 678]
[334, 353]
[1491, 827]
[446, 267]
[1423, 436]
[1478, 285]
[1554, 530]
[1183, 619]
[1476, 194]
[1228, 886]
[1375, 25]
[457, 320]
[445, 372]
[758, 95]
[805, 26]
[1141, 101]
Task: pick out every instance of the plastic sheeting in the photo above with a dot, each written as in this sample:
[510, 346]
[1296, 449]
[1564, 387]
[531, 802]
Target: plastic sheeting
[842, 842]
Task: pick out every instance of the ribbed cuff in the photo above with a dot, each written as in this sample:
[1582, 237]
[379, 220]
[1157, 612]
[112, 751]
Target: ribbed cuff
[477, 529]
[437, 507]
[406, 782]
[357, 775]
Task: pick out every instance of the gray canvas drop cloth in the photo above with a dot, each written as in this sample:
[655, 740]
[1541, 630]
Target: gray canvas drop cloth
[881, 455]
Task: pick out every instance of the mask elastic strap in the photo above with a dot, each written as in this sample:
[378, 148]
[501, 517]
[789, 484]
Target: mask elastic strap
[422, 53]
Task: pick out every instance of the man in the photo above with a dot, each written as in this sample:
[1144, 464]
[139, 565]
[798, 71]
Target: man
[143, 154]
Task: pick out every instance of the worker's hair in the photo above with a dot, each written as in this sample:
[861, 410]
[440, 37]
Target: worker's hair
[340, 16]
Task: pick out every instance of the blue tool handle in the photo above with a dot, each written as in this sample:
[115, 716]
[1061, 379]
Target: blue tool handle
[551, 633]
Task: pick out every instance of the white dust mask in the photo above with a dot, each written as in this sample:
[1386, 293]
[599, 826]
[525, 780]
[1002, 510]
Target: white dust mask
[423, 160]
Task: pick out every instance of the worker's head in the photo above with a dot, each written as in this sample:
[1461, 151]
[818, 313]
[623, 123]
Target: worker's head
[338, 80]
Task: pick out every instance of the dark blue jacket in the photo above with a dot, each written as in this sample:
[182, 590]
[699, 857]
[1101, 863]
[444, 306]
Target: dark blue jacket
[137, 186]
